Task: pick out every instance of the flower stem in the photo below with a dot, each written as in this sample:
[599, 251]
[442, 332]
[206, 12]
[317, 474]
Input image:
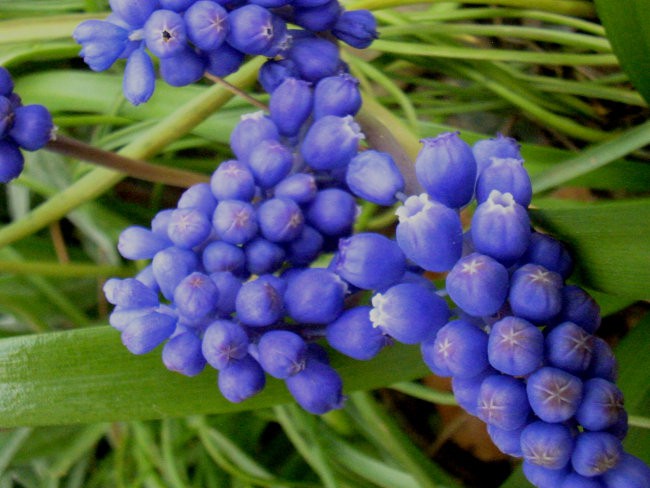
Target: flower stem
[131, 167]
[237, 91]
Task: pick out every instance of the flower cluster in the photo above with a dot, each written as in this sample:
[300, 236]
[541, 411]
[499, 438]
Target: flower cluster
[21, 126]
[190, 37]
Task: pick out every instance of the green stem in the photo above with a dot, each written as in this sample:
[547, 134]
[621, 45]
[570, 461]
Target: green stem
[593, 157]
[576, 8]
[639, 421]
[131, 167]
[453, 52]
[100, 180]
[582, 41]
[42, 29]
[63, 270]
[424, 393]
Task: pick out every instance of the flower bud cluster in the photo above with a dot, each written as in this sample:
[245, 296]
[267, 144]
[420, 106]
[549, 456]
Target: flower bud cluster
[26, 127]
[520, 347]
[192, 37]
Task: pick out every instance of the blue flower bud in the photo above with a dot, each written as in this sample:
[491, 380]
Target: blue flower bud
[409, 313]
[601, 406]
[182, 69]
[282, 353]
[580, 308]
[630, 472]
[11, 160]
[300, 187]
[429, 233]
[305, 248]
[253, 29]
[369, 261]
[207, 24]
[196, 296]
[574, 480]
[290, 105]
[241, 379]
[550, 253]
[270, 162]
[6, 115]
[160, 223]
[446, 169]
[465, 390]
[182, 353]
[228, 285]
[263, 256]
[461, 349]
[502, 402]
[535, 293]
[198, 196]
[547, 445]
[270, 3]
[595, 453]
[320, 18]
[603, 363]
[499, 147]
[32, 127]
[102, 43]
[258, 304]
[6, 82]
[121, 317]
[233, 180]
[478, 284]
[235, 221]
[176, 5]
[170, 266]
[358, 28]
[136, 242]
[221, 256]
[224, 60]
[164, 33]
[139, 80]
[188, 227]
[273, 73]
[337, 95]
[314, 58]
[544, 477]
[147, 332]
[508, 176]
[280, 219]
[515, 347]
[308, 3]
[250, 131]
[315, 296]
[317, 388]
[130, 293]
[354, 335]
[331, 142]
[134, 13]
[554, 394]
[224, 342]
[501, 228]
[508, 441]
[374, 176]
[332, 212]
[569, 347]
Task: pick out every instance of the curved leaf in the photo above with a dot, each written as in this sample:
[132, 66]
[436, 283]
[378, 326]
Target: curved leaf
[626, 23]
[87, 375]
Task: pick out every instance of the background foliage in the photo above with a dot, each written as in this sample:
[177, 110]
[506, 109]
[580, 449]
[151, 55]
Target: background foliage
[78, 409]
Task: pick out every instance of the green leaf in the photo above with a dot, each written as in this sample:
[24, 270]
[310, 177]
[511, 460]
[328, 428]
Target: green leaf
[87, 375]
[626, 23]
[609, 242]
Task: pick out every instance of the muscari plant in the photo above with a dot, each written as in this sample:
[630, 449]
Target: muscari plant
[256, 268]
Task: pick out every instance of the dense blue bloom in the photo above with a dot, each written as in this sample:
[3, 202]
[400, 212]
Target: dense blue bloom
[580, 308]
[137, 242]
[235, 221]
[11, 160]
[301, 188]
[306, 247]
[317, 388]
[478, 284]
[498, 147]
[446, 169]
[554, 394]
[282, 353]
[596, 453]
[224, 60]
[146, 332]
[255, 30]
[374, 176]
[409, 313]
[198, 196]
[508, 441]
[102, 43]
[550, 253]
[222, 256]
[315, 296]
[601, 406]
[224, 342]
[358, 28]
[535, 293]
[139, 77]
[547, 445]
[630, 472]
[183, 68]
[263, 256]
[241, 379]
[569, 347]
[206, 24]
[319, 18]
[170, 266]
[188, 227]
[314, 58]
[515, 347]
[251, 130]
[337, 95]
[429, 233]
[164, 33]
[32, 127]
[331, 142]
[182, 353]
[502, 402]
[332, 211]
[280, 219]
[461, 349]
[290, 105]
[258, 304]
[508, 176]
[354, 335]
[233, 180]
[196, 296]
[466, 390]
[369, 261]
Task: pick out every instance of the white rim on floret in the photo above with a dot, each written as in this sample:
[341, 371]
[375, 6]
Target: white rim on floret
[353, 128]
[259, 115]
[414, 207]
[377, 315]
[500, 202]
